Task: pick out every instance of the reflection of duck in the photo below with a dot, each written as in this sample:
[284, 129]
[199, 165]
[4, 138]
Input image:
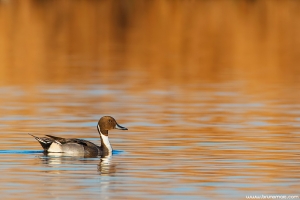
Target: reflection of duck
[73, 146]
[58, 161]
[106, 166]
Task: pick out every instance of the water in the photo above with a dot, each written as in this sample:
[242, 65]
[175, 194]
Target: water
[212, 103]
[216, 142]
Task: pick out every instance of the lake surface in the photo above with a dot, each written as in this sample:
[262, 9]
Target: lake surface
[209, 116]
[212, 141]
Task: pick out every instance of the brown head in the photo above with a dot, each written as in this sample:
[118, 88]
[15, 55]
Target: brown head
[107, 123]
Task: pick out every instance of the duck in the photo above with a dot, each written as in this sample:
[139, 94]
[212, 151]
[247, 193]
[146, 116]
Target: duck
[74, 146]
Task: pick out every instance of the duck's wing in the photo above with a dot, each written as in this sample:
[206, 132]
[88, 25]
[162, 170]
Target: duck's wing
[58, 140]
[90, 149]
[71, 140]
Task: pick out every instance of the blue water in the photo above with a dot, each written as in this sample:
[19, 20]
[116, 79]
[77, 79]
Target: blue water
[20, 152]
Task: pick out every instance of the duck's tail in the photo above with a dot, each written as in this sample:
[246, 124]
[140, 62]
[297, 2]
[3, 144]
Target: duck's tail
[44, 141]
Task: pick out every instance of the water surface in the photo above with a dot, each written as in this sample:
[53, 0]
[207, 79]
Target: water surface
[212, 143]
[212, 103]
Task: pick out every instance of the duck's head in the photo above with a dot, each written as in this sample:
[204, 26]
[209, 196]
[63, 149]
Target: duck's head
[107, 123]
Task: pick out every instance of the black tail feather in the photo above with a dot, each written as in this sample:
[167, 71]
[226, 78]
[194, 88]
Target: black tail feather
[44, 141]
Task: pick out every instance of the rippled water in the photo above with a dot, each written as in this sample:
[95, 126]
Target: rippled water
[214, 141]
[209, 91]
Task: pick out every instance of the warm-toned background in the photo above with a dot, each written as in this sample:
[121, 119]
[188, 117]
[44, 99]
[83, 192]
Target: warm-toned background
[176, 41]
[208, 89]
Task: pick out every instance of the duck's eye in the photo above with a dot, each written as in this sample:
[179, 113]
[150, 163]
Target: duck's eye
[110, 121]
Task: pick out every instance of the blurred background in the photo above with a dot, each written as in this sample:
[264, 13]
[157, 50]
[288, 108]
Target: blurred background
[173, 42]
[210, 89]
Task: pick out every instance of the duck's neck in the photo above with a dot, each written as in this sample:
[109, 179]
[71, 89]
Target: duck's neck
[105, 144]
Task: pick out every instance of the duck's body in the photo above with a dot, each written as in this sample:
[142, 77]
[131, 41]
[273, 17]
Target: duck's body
[74, 146]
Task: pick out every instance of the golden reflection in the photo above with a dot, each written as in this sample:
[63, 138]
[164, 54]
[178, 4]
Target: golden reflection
[209, 90]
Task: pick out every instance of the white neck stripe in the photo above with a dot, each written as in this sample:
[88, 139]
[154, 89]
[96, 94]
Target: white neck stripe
[105, 140]
[98, 127]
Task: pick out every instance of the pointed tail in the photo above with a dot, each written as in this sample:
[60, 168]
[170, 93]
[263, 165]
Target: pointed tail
[44, 141]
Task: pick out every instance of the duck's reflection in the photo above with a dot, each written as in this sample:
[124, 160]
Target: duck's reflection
[104, 164]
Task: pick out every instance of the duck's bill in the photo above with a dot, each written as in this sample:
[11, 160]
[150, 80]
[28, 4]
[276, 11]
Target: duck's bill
[120, 127]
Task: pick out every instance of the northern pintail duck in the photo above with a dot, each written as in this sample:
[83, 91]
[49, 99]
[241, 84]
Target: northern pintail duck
[73, 146]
